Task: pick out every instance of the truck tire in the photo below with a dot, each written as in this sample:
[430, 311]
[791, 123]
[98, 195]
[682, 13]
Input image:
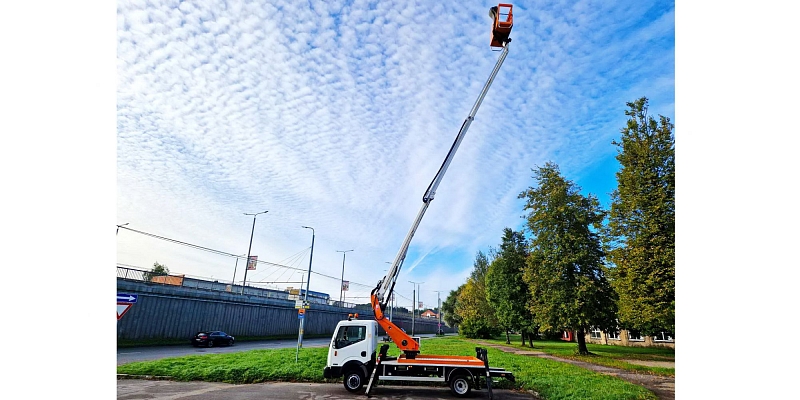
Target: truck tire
[460, 385]
[354, 380]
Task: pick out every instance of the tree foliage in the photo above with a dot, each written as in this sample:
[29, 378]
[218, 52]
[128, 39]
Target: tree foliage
[449, 316]
[157, 270]
[477, 316]
[506, 291]
[641, 228]
[565, 271]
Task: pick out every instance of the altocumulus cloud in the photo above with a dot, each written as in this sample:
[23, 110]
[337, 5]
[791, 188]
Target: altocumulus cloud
[337, 115]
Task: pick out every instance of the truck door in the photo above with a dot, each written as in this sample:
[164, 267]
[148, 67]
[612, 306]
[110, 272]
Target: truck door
[348, 336]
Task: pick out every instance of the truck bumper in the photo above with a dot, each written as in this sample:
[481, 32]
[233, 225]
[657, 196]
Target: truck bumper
[332, 372]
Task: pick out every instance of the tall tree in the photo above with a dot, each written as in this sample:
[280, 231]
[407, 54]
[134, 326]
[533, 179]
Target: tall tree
[450, 317]
[478, 319]
[565, 271]
[506, 291]
[641, 228]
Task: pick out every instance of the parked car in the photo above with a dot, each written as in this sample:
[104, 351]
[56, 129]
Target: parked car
[212, 338]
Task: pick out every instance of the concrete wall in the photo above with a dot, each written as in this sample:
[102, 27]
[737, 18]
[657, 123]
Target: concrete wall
[175, 312]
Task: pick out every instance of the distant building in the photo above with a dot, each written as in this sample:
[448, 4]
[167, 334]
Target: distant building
[429, 314]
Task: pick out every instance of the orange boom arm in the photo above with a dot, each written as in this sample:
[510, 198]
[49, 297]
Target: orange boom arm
[403, 341]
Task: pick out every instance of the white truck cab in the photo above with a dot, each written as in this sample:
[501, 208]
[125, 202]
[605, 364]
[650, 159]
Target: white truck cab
[351, 352]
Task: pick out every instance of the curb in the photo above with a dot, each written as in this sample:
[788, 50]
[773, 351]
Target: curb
[144, 377]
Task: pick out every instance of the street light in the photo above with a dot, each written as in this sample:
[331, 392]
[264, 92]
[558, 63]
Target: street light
[305, 301]
[251, 246]
[341, 291]
[118, 226]
[414, 303]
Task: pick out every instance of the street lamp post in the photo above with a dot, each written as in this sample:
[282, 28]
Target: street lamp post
[305, 300]
[414, 303]
[439, 309]
[250, 247]
[341, 289]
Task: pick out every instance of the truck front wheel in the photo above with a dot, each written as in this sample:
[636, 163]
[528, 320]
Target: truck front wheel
[353, 380]
[460, 386]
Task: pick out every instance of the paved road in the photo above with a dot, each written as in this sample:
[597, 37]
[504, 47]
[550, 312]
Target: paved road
[135, 389]
[126, 355]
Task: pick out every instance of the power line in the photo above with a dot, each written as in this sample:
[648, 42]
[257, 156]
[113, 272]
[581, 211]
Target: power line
[224, 253]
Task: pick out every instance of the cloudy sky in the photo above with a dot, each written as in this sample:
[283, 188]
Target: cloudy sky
[337, 115]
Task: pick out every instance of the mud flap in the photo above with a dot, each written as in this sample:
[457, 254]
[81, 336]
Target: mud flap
[381, 356]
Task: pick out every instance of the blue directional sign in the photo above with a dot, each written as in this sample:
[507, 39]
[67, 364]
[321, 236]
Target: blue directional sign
[126, 298]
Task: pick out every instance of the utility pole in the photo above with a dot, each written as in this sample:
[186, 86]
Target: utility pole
[414, 305]
[439, 309]
[305, 300]
[250, 247]
[341, 284]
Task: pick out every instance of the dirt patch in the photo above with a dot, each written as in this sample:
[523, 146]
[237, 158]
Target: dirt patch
[662, 364]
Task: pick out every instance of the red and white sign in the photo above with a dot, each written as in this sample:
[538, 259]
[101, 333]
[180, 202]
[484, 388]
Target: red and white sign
[251, 263]
[122, 308]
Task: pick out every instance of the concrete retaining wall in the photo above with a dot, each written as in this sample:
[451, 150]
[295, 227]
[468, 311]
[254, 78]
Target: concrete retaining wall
[174, 312]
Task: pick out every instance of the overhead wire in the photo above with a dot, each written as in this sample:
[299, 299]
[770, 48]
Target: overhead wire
[227, 254]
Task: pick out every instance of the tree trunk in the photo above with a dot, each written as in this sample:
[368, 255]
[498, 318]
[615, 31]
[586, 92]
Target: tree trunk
[522, 333]
[530, 338]
[581, 337]
[508, 338]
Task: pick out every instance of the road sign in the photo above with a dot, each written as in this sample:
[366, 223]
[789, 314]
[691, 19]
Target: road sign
[126, 298]
[122, 308]
[301, 311]
[299, 304]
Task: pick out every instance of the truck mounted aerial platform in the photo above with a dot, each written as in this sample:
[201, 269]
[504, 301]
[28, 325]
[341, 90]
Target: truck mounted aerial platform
[353, 350]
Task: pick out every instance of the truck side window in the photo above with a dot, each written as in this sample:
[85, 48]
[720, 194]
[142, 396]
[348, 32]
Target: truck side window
[348, 335]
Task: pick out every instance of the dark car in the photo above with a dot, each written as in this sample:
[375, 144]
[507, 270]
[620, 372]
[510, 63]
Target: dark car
[211, 339]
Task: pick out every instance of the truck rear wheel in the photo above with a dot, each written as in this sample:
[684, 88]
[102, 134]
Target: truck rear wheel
[460, 385]
[354, 380]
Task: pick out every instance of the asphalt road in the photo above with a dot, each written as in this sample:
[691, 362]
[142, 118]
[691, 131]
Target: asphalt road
[135, 389]
[126, 355]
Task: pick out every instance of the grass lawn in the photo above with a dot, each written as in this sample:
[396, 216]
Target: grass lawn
[551, 379]
[607, 355]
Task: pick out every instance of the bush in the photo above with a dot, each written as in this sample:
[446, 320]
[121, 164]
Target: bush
[477, 329]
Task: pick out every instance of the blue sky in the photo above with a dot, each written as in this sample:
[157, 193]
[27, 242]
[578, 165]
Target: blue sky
[336, 115]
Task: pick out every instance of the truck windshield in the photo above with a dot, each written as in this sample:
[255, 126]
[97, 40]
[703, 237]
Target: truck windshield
[348, 335]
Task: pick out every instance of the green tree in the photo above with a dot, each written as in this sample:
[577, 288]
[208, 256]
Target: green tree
[565, 271]
[477, 316]
[449, 316]
[641, 230]
[506, 291]
[157, 270]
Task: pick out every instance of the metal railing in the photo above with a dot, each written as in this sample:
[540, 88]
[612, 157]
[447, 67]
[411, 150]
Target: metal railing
[250, 289]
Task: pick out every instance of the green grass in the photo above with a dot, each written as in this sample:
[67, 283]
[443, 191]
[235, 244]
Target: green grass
[607, 355]
[552, 380]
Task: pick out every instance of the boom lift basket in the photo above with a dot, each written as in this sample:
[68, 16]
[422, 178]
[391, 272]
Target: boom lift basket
[501, 27]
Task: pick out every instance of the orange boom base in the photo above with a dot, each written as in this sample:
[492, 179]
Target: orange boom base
[404, 342]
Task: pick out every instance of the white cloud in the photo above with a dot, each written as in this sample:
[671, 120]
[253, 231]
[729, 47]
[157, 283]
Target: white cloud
[337, 116]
